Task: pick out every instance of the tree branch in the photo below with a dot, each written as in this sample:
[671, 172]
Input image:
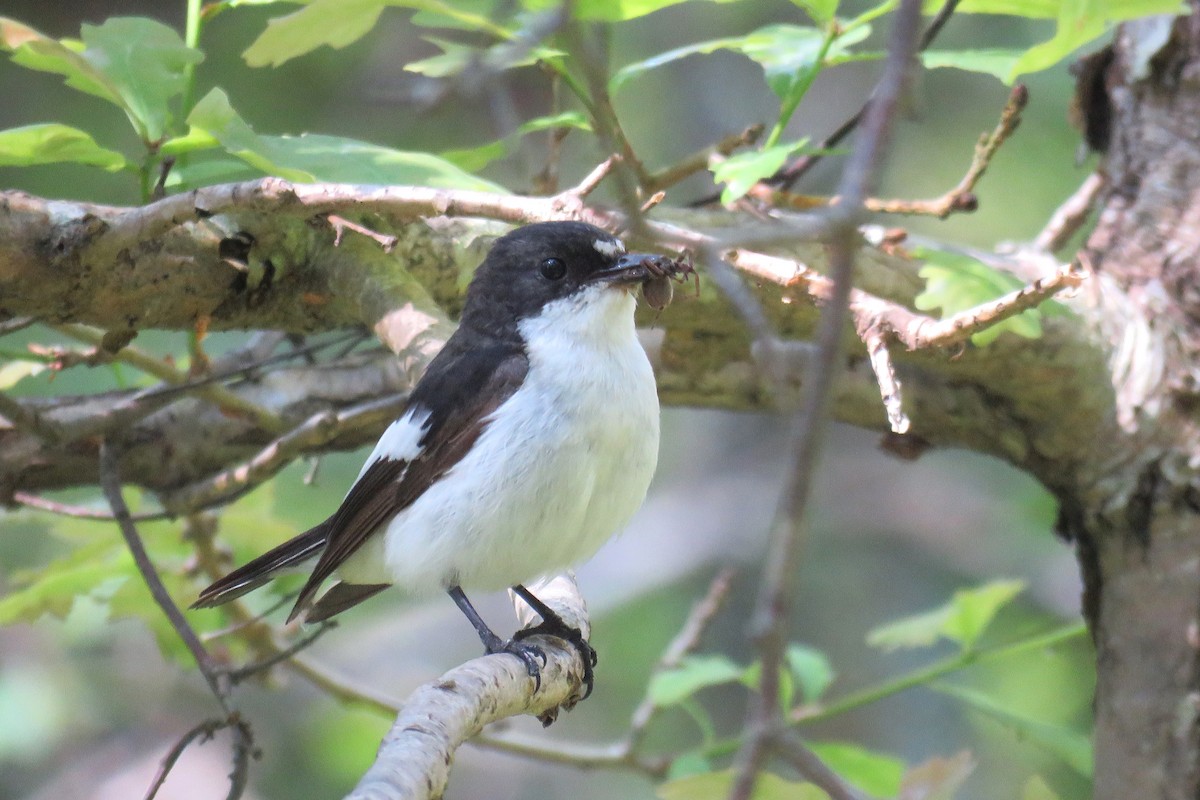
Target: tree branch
[415, 757]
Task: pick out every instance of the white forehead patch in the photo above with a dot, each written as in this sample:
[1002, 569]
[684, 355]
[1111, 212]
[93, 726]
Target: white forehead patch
[609, 247]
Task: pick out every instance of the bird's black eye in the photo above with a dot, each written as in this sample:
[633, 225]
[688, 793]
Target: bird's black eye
[553, 269]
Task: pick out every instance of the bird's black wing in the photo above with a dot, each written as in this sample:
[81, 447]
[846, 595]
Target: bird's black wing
[462, 387]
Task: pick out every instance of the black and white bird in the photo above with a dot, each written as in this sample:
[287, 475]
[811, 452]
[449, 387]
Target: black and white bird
[530, 440]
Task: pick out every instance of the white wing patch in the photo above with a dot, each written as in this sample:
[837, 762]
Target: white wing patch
[609, 247]
[402, 439]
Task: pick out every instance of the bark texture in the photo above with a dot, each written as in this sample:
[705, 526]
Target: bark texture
[1133, 508]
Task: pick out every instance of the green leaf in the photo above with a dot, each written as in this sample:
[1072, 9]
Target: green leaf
[611, 10]
[716, 786]
[1115, 10]
[146, 62]
[812, 671]
[694, 673]
[687, 764]
[785, 52]
[1073, 747]
[962, 620]
[35, 50]
[455, 57]
[132, 62]
[1078, 22]
[336, 23]
[955, 282]
[95, 570]
[996, 62]
[52, 143]
[741, 171]
[326, 158]
[874, 773]
[19, 369]
[821, 11]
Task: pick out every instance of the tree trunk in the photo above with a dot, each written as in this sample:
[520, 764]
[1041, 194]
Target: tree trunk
[1133, 508]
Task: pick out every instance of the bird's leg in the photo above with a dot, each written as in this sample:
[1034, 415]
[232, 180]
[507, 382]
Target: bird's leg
[528, 653]
[553, 625]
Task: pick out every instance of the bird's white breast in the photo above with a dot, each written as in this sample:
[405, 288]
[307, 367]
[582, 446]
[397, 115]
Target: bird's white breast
[562, 465]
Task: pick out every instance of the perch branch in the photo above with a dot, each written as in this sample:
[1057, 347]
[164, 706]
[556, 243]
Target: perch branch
[414, 759]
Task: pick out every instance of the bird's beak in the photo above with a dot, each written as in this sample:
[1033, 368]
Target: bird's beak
[630, 269]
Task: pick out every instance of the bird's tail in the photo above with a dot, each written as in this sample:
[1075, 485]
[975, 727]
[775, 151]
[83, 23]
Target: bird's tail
[261, 570]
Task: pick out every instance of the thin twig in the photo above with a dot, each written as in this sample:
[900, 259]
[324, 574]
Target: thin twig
[16, 324]
[24, 418]
[316, 431]
[958, 328]
[340, 225]
[204, 731]
[1071, 215]
[214, 393]
[769, 623]
[791, 173]
[81, 512]
[792, 750]
[240, 674]
[110, 484]
[889, 384]
[701, 160]
[961, 198]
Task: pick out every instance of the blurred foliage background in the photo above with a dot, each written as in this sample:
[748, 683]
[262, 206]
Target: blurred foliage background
[87, 706]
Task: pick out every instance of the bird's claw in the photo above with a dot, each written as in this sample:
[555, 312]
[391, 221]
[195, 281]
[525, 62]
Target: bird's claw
[573, 636]
[529, 654]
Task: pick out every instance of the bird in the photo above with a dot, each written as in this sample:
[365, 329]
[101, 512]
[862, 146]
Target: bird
[528, 442]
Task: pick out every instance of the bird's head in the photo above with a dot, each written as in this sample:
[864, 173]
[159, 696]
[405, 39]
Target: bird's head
[546, 262]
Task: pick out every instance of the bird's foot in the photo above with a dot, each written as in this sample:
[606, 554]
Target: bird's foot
[553, 625]
[530, 654]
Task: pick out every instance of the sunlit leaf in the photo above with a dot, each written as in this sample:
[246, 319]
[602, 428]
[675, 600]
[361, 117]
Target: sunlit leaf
[336, 23]
[326, 158]
[1072, 746]
[874, 773]
[812, 671]
[133, 62]
[963, 620]
[34, 50]
[18, 370]
[146, 61]
[1077, 23]
[995, 62]
[694, 673]
[52, 143]
[821, 11]
[1115, 10]
[612, 10]
[741, 171]
[94, 570]
[716, 786]
[956, 282]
